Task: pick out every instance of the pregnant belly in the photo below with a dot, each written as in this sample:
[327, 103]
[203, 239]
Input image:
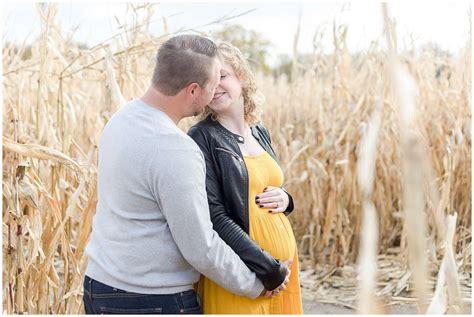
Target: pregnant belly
[273, 233]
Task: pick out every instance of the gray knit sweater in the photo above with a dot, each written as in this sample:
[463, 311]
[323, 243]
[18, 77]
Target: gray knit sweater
[152, 232]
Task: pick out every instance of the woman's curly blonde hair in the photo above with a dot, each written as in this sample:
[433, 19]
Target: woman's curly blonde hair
[253, 98]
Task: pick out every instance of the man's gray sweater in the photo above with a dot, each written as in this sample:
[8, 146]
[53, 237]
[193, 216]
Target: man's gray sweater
[152, 232]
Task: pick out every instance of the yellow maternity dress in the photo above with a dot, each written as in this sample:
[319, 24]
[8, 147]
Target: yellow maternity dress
[274, 234]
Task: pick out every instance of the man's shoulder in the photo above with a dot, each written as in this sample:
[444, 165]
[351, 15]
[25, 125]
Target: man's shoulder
[177, 150]
[177, 142]
[179, 154]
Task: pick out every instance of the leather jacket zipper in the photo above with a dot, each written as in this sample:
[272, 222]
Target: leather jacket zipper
[230, 152]
[246, 181]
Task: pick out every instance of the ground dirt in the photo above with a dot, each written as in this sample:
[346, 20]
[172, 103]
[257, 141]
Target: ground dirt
[313, 307]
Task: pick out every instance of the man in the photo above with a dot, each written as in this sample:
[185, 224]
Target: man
[152, 233]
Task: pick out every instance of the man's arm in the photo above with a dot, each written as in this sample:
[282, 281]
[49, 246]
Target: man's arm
[179, 186]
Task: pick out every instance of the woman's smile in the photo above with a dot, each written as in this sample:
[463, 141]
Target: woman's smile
[218, 95]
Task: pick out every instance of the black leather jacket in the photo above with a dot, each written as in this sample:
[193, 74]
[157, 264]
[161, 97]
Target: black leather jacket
[227, 192]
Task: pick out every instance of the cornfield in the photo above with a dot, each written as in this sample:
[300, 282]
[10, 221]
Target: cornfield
[58, 99]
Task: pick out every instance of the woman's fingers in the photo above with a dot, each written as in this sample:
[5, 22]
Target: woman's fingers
[268, 188]
[274, 207]
[288, 262]
[276, 211]
[276, 197]
[270, 192]
[269, 294]
[269, 199]
[273, 198]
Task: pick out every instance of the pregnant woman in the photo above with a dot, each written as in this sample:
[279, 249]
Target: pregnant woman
[248, 205]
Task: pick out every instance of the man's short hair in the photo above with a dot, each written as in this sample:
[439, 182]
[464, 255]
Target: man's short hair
[182, 60]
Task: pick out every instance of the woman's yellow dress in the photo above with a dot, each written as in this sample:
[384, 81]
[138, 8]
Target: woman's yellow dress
[274, 234]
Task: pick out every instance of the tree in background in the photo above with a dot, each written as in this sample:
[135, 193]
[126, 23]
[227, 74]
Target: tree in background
[283, 66]
[255, 48]
[252, 44]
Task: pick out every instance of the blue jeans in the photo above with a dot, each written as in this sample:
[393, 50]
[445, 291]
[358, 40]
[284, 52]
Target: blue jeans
[103, 299]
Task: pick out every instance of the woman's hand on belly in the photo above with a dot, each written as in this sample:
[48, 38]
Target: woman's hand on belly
[273, 198]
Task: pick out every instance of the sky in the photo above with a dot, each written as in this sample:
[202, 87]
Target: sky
[445, 23]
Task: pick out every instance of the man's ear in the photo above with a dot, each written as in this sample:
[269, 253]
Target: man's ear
[193, 88]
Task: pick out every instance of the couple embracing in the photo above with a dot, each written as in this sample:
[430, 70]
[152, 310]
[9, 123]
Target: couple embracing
[192, 223]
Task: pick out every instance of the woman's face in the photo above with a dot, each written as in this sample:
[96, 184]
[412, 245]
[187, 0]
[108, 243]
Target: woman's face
[229, 92]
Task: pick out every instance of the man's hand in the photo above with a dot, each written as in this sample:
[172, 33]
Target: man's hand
[282, 287]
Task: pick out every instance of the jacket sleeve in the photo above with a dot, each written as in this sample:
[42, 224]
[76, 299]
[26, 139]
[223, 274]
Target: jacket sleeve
[291, 205]
[177, 181]
[270, 271]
